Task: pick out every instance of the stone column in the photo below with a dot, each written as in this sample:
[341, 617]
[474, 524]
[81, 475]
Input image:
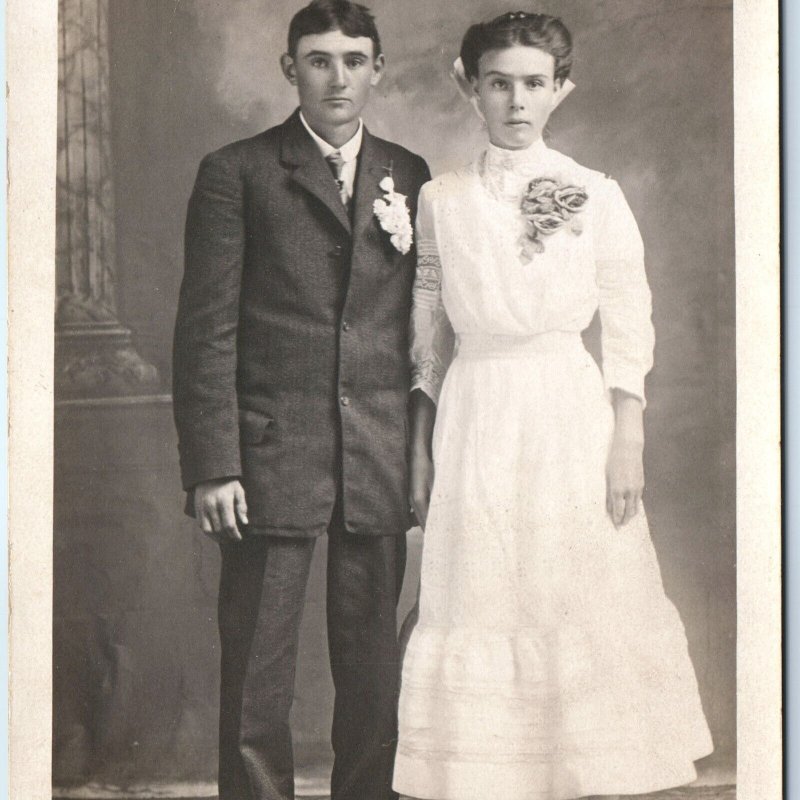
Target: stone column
[95, 356]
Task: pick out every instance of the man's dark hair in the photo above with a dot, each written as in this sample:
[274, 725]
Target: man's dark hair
[321, 16]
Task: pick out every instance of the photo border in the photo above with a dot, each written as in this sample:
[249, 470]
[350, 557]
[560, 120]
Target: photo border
[31, 107]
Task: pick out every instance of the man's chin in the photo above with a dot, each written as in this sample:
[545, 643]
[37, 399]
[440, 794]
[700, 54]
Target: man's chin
[333, 115]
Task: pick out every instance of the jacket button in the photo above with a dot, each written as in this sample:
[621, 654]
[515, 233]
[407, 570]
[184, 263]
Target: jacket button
[345, 326]
[337, 251]
[345, 401]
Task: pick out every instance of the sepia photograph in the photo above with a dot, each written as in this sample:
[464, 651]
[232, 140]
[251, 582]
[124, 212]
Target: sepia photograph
[397, 444]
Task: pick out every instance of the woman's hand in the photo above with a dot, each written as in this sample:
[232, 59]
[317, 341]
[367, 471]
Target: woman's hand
[421, 483]
[625, 476]
[625, 469]
[422, 417]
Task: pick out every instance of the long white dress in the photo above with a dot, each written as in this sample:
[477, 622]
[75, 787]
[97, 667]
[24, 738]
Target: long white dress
[547, 662]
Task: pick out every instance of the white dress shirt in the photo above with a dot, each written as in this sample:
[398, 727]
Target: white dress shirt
[349, 152]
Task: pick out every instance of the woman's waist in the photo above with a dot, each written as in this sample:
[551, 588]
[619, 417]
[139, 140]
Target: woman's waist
[498, 345]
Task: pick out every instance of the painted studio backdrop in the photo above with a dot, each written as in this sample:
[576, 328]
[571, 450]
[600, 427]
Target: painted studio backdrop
[147, 87]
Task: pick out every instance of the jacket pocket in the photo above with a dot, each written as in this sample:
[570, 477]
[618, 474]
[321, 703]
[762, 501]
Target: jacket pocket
[253, 426]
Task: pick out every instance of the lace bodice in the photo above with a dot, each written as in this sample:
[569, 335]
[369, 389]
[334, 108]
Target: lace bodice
[472, 277]
[505, 173]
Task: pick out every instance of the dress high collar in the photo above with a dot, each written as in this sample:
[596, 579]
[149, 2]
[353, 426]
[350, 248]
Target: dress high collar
[527, 158]
[506, 173]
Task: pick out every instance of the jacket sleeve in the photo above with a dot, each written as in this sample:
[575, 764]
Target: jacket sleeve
[204, 351]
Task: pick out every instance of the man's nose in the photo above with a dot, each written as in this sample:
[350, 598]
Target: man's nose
[338, 74]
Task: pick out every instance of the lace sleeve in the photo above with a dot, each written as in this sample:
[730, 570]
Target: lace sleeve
[431, 335]
[625, 301]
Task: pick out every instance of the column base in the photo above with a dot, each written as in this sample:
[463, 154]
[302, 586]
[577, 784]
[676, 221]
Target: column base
[98, 359]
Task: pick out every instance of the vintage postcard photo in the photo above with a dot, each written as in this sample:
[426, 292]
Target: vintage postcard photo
[396, 386]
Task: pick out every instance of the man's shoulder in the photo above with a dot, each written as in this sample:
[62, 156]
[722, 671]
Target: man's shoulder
[402, 157]
[242, 149]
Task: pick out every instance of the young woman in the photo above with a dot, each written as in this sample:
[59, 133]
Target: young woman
[546, 662]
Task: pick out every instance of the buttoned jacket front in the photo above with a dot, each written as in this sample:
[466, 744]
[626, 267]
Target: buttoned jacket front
[291, 344]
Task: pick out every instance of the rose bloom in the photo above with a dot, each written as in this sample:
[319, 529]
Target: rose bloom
[571, 198]
[539, 205]
[547, 223]
[540, 186]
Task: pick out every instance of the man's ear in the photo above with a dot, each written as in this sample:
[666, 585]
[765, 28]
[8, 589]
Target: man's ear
[289, 69]
[378, 67]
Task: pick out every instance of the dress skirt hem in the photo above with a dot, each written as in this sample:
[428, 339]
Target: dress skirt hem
[428, 778]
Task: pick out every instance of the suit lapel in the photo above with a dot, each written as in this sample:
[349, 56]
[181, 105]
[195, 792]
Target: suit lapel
[308, 169]
[372, 168]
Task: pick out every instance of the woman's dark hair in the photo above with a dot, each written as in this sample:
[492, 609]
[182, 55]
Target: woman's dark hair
[321, 16]
[519, 28]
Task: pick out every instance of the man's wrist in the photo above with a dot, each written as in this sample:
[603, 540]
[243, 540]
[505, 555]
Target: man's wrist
[214, 482]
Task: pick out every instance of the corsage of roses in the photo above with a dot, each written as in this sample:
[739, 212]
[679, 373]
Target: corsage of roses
[392, 213]
[547, 206]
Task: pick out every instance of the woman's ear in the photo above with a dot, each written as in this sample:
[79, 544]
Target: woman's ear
[288, 68]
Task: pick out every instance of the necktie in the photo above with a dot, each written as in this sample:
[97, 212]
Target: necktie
[336, 163]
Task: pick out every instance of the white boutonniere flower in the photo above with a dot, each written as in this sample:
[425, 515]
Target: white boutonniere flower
[393, 216]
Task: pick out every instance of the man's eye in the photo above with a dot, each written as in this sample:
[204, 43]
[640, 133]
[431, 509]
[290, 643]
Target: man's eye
[353, 63]
[319, 63]
[498, 84]
[535, 84]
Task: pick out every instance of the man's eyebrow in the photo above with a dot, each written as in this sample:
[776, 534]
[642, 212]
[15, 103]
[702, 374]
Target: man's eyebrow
[317, 53]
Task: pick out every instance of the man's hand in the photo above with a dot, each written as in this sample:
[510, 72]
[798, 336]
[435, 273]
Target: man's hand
[218, 506]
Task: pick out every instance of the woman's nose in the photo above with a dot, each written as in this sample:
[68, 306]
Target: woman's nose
[517, 98]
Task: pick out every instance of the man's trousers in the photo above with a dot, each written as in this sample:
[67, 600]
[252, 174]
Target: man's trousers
[262, 593]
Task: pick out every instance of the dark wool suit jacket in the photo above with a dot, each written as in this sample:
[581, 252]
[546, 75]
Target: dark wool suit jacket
[291, 341]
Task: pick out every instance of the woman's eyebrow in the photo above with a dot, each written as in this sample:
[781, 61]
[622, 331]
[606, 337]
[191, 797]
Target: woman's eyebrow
[510, 75]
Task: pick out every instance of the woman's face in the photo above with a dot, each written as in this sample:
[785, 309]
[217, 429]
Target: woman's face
[516, 93]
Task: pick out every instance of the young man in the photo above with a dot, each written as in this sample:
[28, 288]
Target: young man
[291, 382]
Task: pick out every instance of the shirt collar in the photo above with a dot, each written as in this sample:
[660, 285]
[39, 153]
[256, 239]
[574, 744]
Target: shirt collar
[349, 150]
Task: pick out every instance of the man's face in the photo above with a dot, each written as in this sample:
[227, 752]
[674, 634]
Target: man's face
[333, 74]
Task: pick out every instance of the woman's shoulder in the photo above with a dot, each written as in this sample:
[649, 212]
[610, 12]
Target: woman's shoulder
[446, 184]
[579, 173]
